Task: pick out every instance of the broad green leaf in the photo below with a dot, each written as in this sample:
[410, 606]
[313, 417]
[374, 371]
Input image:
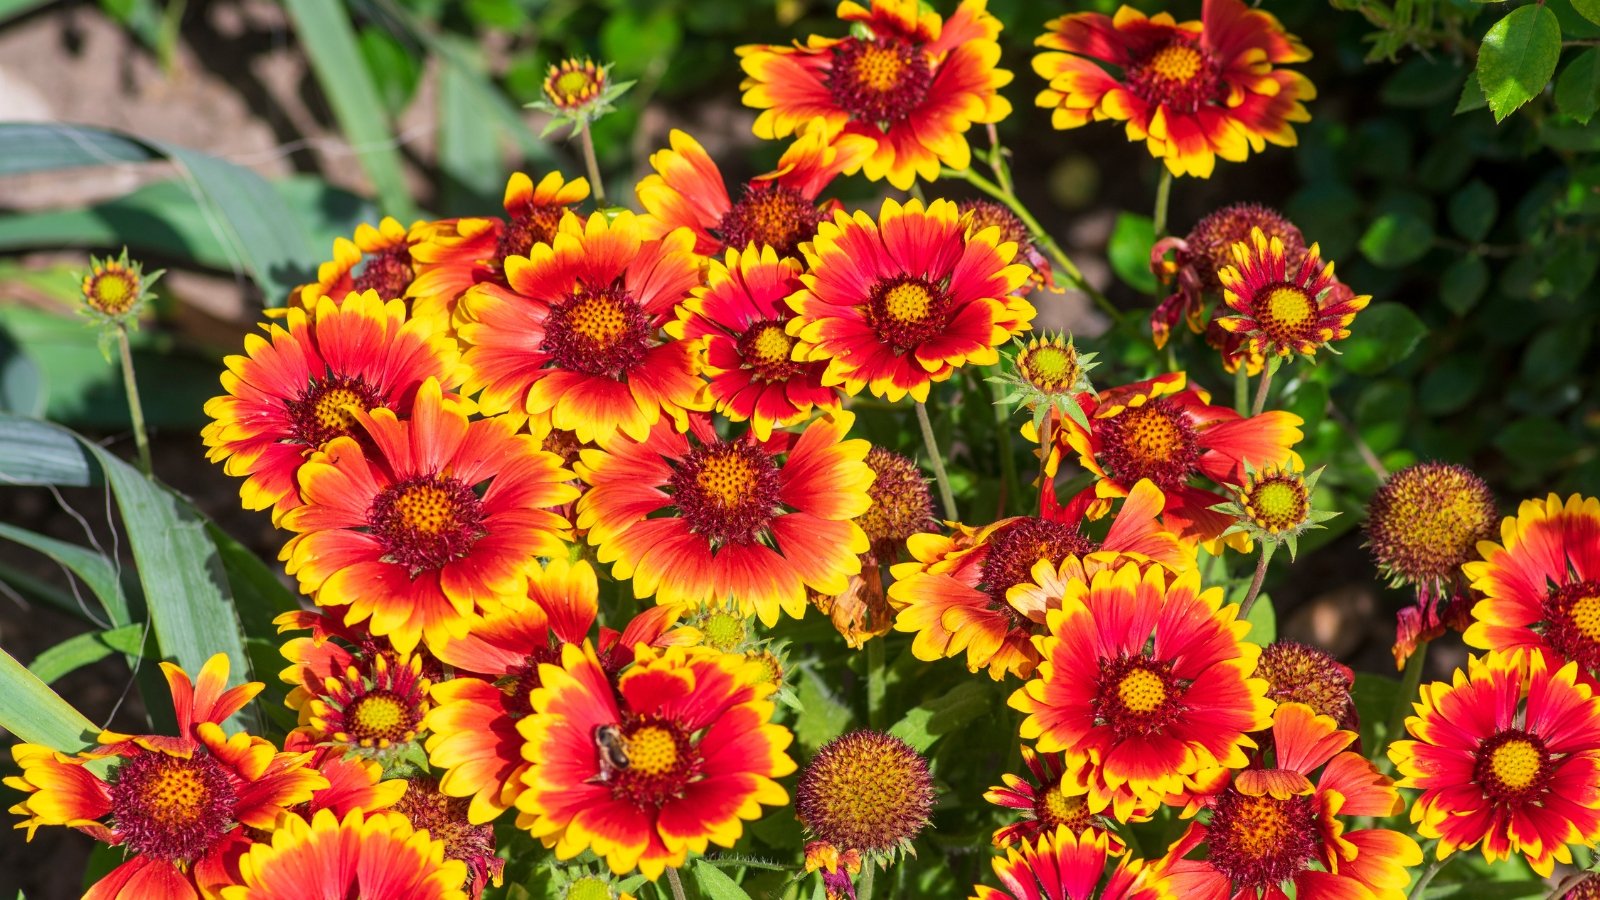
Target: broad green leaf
[1518, 57]
[1554, 355]
[1589, 9]
[1473, 209]
[714, 884]
[1375, 697]
[330, 41]
[257, 593]
[469, 140]
[1397, 239]
[38, 715]
[1578, 86]
[1472, 97]
[823, 717]
[1451, 385]
[1129, 251]
[94, 569]
[1421, 82]
[81, 650]
[41, 146]
[394, 71]
[923, 726]
[1263, 617]
[38, 453]
[1463, 283]
[21, 386]
[1382, 335]
[1539, 443]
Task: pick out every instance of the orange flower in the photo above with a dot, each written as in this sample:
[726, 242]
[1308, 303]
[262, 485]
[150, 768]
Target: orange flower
[755, 521]
[184, 806]
[374, 857]
[1192, 91]
[672, 759]
[738, 319]
[777, 210]
[439, 518]
[899, 303]
[300, 386]
[383, 255]
[577, 331]
[909, 81]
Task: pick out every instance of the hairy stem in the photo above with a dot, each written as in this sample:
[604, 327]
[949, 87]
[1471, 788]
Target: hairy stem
[1427, 876]
[1255, 584]
[946, 497]
[1261, 391]
[1241, 388]
[591, 163]
[674, 882]
[141, 437]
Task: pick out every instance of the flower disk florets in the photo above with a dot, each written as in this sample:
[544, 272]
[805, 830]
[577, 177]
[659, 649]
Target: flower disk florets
[1297, 673]
[865, 791]
[1427, 520]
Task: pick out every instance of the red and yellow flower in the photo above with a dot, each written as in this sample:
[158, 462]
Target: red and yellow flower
[1192, 91]
[445, 819]
[757, 522]
[1146, 680]
[1280, 311]
[1043, 804]
[1541, 583]
[375, 703]
[183, 806]
[675, 757]
[383, 255]
[1270, 831]
[778, 210]
[439, 518]
[576, 333]
[300, 386]
[910, 81]
[1507, 753]
[374, 857]
[1062, 865]
[452, 255]
[987, 591]
[1196, 257]
[899, 303]
[1157, 430]
[737, 319]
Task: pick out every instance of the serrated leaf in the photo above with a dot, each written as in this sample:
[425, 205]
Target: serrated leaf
[38, 715]
[1578, 87]
[714, 884]
[1518, 58]
[1129, 251]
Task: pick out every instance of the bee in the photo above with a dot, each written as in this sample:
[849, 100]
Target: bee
[612, 749]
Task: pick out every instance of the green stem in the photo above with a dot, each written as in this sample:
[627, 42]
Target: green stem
[946, 496]
[864, 886]
[141, 437]
[676, 884]
[1040, 237]
[1427, 875]
[877, 682]
[1261, 391]
[1409, 682]
[1158, 218]
[1255, 584]
[997, 160]
[1241, 388]
[1046, 436]
[1009, 479]
[591, 163]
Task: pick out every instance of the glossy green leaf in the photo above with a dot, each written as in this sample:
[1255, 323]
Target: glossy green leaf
[1382, 335]
[714, 884]
[1578, 86]
[1589, 9]
[38, 715]
[1538, 442]
[95, 570]
[1473, 209]
[329, 40]
[1462, 285]
[85, 649]
[1518, 58]
[1397, 239]
[1129, 251]
[37, 453]
[922, 726]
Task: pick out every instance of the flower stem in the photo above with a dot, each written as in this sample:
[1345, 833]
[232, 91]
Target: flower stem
[676, 884]
[1046, 436]
[1009, 480]
[1261, 391]
[946, 496]
[1041, 237]
[1255, 584]
[877, 681]
[591, 163]
[864, 887]
[997, 160]
[1241, 388]
[1427, 875]
[1158, 218]
[1409, 682]
[141, 438]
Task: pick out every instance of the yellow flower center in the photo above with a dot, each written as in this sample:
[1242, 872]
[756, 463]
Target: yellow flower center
[572, 83]
[1290, 308]
[879, 68]
[379, 716]
[1586, 616]
[727, 478]
[113, 291]
[1262, 826]
[1141, 691]
[772, 667]
[771, 346]
[723, 630]
[1150, 437]
[332, 410]
[1176, 62]
[427, 507]
[908, 303]
[1051, 368]
[1059, 809]
[588, 888]
[1277, 503]
[652, 750]
[1516, 763]
[176, 796]
[599, 319]
[171, 807]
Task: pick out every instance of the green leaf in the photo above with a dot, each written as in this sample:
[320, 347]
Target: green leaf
[1421, 82]
[1518, 57]
[1578, 87]
[257, 593]
[823, 717]
[469, 140]
[1473, 209]
[1375, 696]
[1129, 250]
[394, 71]
[1486, 890]
[1397, 239]
[38, 715]
[1472, 97]
[325, 33]
[923, 726]
[81, 650]
[1452, 385]
[1263, 619]
[37, 453]
[1382, 335]
[1554, 355]
[21, 386]
[42, 146]
[1463, 283]
[1589, 9]
[716, 885]
[1538, 443]
[97, 572]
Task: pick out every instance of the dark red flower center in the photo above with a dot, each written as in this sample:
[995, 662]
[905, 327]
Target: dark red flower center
[169, 807]
[1572, 622]
[1512, 768]
[879, 81]
[1259, 842]
[1152, 441]
[727, 491]
[427, 521]
[1136, 695]
[1179, 75]
[901, 504]
[445, 819]
[602, 332]
[1053, 808]
[518, 684]
[765, 348]
[528, 226]
[905, 311]
[388, 272]
[323, 411]
[772, 214]
[661, 761]
[1015, 548]
[981, 214]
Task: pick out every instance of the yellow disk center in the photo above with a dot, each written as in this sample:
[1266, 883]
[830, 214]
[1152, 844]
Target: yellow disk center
[599, 320]
[1261, 827]
[1290, 308]
[379, 714]
[1586, 616]
[1176, 62]
[1151, 436]
[176, 796]
[723, 630]
[908, 304]
[332, 410]
[427, 508]
[1516, 763]
[572, 84]
[727, 479]
[879, 69]
[1141, 691]
[652, 751]
[771, 346]
[1059, 809]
